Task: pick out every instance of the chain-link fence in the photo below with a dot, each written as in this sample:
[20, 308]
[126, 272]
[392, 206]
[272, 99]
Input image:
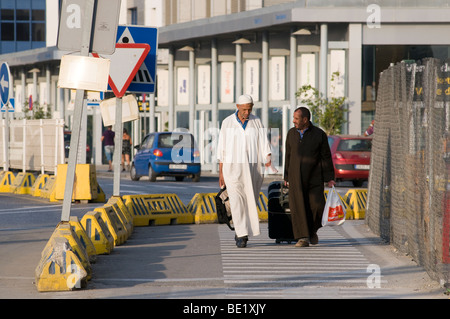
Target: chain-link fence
[409, 188]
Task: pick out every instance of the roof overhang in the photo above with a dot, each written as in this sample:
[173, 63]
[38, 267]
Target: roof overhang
[296, 14]
[33, 56]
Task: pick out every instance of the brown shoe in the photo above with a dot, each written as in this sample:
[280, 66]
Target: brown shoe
[302, 242]
[314, 239]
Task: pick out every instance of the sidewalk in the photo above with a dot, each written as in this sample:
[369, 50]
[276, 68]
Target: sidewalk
[190, 262]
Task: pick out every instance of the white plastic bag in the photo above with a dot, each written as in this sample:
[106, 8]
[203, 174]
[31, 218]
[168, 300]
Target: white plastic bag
[334, 211]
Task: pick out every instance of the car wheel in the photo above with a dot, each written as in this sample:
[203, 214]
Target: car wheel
[133, 175]
[196, 178]
[151, 174]
[357, 182]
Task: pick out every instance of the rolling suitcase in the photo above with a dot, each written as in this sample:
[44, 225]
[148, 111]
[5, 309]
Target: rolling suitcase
[280, 224]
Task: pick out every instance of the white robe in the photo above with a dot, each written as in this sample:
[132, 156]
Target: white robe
[243, 154]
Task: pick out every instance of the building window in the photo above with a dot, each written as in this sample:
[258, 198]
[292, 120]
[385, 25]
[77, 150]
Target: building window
[23, 24]
[7, 14]
[7, 31]
[133, 16]
[38, 32]
[38, 15]
[22, 32]
[22, 15]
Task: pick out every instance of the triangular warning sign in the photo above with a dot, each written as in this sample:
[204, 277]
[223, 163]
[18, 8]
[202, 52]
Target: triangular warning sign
[125, 63]
[126, 37]
[143, 75]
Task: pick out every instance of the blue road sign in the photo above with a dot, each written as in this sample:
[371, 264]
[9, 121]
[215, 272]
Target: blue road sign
[11, 106]
[5, 78]
[145, 79]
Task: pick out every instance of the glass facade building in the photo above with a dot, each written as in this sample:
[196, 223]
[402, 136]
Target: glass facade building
[22, 25]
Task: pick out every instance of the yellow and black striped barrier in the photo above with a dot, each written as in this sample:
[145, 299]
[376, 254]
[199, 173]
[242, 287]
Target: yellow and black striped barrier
[39, 184]
[356, 200]
[64, 263]
[203, 208]
[97, 231]
[157, 209]
[6, 181]
[23, 183]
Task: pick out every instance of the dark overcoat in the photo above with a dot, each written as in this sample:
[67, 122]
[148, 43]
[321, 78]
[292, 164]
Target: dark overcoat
[308, 165]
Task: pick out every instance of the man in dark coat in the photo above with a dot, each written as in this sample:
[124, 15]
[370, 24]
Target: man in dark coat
[308, 165]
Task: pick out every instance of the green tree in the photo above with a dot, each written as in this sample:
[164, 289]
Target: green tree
[329, 114]
[38, 112]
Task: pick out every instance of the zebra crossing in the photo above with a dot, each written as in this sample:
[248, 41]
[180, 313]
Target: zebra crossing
[268, 270]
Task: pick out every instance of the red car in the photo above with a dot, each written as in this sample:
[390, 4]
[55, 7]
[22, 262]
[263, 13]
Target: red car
[351, 157]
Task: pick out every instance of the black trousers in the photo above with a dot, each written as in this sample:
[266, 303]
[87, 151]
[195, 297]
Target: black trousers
[306, 211]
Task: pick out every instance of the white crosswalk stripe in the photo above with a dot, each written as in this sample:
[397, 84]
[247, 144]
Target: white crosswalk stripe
[268, 270]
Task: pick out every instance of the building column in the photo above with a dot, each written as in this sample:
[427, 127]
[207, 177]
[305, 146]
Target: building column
[48, 88]
[214, 84]
[288, 112]
[238, 70]
[35, 71]
[265, 79]
[323, 65]
[23, 80]
[151, 101]
[61, 104]
[354, 78]
[191, 91]
[214, 128]
[292, 77]
[171, 90]
[97, 135]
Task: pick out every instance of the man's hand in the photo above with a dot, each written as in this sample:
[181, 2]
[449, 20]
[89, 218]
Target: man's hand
[268, 160]
[221, 180]
[331, 183]
[269, 164]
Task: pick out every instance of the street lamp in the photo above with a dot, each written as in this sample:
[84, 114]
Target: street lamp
[302, 31]
[241, 41]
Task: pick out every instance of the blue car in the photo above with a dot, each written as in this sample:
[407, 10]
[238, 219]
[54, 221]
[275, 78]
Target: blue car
[167, 154]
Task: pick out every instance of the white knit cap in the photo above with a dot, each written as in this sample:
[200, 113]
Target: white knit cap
[245, 99]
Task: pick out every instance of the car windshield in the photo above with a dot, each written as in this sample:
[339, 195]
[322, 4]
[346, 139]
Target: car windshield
[355, 145]
[175, 139]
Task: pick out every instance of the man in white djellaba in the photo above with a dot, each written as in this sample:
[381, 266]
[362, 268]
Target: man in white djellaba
[243, 150]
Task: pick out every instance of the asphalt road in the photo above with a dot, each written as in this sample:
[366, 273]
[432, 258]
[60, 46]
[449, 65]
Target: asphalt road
[202, 261]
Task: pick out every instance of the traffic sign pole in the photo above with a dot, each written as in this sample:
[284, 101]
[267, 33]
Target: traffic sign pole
[78, 113]
[118, 128]
[5, 84]
[6, 168]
